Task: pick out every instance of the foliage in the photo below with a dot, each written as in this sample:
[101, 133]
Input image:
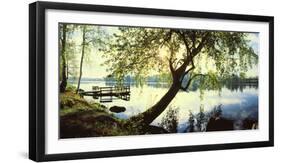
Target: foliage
[191, 121]
[71, 49]
[170, 120]
[216, 111]
[94, 39]
[198, 122]
[141, 51]
[201, 119]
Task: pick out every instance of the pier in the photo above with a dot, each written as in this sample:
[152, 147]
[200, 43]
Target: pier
[107, 94]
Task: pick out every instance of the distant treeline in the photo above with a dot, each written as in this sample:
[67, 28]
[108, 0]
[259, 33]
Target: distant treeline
[233, 82]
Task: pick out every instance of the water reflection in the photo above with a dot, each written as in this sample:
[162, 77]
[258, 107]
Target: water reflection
[241, 86]
[239, 103]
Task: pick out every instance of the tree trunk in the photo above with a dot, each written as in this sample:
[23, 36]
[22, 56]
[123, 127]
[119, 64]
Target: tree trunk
[67, 70]
[152, 113]
[82, 58]
[63, 82]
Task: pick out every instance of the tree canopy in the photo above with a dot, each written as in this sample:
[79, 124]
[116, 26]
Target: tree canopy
[182, 52]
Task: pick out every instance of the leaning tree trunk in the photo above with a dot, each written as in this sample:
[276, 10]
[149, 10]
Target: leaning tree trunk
[152, 113]
[82, 58]
[63, 82]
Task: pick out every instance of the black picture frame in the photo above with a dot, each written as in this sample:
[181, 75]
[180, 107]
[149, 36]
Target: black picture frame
[37, 80]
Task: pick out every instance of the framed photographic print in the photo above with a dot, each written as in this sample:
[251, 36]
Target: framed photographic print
[117, 81]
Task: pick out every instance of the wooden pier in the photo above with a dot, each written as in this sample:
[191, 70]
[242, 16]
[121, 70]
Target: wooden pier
[107, 94]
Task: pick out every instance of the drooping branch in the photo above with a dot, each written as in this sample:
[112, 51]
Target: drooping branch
[190, 80]
[190, 54]
[137, 62]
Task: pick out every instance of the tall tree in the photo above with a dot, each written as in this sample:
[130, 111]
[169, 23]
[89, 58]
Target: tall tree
[181, 52]
[82, 56]
[93, 37]
[67, 49]
[63, 81]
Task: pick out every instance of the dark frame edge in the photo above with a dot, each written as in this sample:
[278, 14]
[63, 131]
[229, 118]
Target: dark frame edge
[148, 11]
[271, 80]
[36, 82]
[32, 82]
[153, 151]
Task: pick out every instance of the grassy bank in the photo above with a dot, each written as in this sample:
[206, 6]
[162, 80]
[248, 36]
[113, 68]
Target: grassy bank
[80, 118]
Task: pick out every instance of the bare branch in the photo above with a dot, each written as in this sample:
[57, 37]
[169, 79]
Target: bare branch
[167, 38]
[190, 69]
[172, 69]
[185, 43]
[193, 37]
[191, 56]
[200, 46]
[182, 35]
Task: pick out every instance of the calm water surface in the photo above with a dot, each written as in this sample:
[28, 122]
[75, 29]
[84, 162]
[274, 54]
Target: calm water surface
[237, 103]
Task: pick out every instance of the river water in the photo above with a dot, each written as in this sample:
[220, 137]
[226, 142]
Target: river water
[238, 102]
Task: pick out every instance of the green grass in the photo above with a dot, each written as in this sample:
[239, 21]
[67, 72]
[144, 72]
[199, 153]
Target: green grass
[79, 118]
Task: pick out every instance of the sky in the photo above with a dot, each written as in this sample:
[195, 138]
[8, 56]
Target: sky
[93, 69]
[254, 43]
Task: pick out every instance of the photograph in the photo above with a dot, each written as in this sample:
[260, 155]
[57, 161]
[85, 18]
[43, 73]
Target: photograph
[117, 80]
[112, 81]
